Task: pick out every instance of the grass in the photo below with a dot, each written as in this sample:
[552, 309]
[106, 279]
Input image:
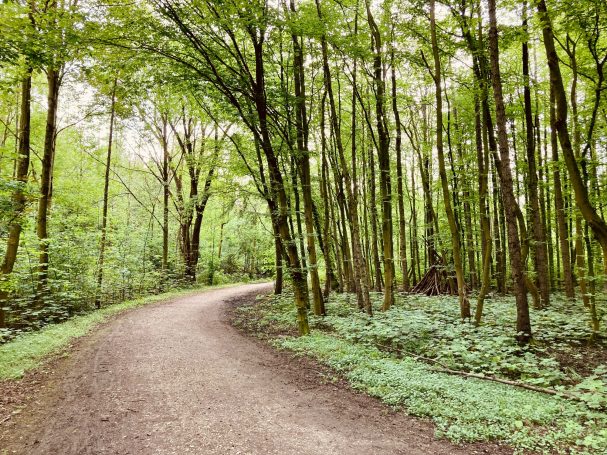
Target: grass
[30, 350]
[463, 409]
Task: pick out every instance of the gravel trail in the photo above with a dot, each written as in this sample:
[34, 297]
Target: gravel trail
[177, 378]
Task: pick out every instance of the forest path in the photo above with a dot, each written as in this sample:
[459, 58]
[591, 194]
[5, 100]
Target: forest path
[176, 378]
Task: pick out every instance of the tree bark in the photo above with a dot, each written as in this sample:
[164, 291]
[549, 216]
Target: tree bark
[402, 234]
[106, 188]
[523, 322]
[165, 198]
[360, 267]
[482, 158]
[277, 189]
[464, 304]
[582, 199]
[46, 176]
[303, 166]
[331, 280]
[383, 159]
[538, 234]
[18, 198]
[377, 277]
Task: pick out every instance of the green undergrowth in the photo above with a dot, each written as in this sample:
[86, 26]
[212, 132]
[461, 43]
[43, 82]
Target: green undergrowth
[29, 350]
[380, 356]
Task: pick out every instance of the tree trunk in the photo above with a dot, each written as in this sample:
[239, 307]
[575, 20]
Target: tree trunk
[106, 188]
[482, 158]
[464, 304]
[582, 199]
[303, 166]
[165, 200]
[278, 282]
[545, 199]
[415, 265]
[277, 190]
[360, 266]
[297, 212]
[538, 235]
[18, 198]
[330, 280]
[383, 159]
[378, 279]
[46, 176]
[402, 235]
[523, 322]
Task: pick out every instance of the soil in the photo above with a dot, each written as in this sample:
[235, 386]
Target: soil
[581, 358]
[177, 378]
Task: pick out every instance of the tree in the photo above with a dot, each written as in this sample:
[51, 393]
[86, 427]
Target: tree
[523, 322]
[455, 239]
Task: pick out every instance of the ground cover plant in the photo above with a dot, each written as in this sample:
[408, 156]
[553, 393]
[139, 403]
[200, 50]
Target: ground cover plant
[401, 355]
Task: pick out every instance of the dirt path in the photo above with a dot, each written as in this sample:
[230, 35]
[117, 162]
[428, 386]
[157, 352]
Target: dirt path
[176, 378]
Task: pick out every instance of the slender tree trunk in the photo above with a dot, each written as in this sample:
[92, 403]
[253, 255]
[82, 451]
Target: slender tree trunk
[360, 265]
[106, 188]
[350, 184]
[46, 176]
[200, 206]
[429, 214]
[331, 281]
[18, 198]
[303, 166]
[277, 190]
[415, 266]
[402, 235]
[464, 304]
[545, 199]
[165, 199]
[582, 199]
[279, 280]
[538, 235]
[469, 232]
[378, 279]
[482, 155]
[580, 258]
[523, 322]
[297, 207]
[383, 158]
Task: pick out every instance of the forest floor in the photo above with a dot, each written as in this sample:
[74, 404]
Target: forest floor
[472, 382]
[176, 377]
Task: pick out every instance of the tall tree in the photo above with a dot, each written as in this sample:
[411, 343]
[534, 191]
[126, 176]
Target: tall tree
[523, 321]
[106, 190]
[579, 186]
[538, 235]
[303, 165]
[19, 194]
[383, 158]
[402, 223]
[464, 303]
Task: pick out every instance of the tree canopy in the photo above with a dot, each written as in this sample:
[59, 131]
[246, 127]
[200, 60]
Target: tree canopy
[349, 146]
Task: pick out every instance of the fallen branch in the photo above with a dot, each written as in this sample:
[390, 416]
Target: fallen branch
[444, 369]
[509, 382]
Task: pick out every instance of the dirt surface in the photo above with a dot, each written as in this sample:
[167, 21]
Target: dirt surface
[177, 378]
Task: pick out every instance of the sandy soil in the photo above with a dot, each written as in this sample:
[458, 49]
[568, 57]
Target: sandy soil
[177, 378]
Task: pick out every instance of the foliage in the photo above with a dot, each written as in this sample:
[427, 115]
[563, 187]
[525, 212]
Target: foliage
[430, 326]
[463, 410]
[381, 355]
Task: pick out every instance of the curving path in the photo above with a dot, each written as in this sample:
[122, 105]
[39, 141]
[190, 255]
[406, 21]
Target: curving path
[176, 378]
